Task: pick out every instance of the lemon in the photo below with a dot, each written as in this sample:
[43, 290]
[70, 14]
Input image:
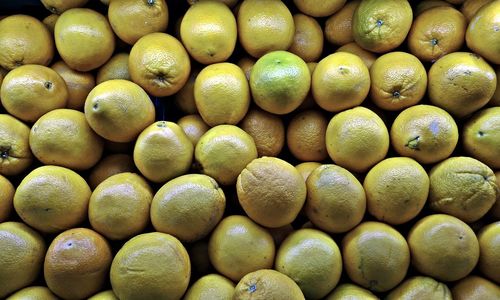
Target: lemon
[208, 31]
[58, 6]
[489, 246]
[77, 263]
[306, 136]
[163, 151]
[308, 38]
[151, 265]
[188, 207]
[336, 201]
[15, 153]
[239, 246]
[33, 293]
[223, 152]
[115, 68]
[475, 287]
[352, 292]
[22, 250]
[267, 131]
[6, 198]
[194, 127]
[338, 27]
[222, 94]
[312, 259]
[279, 82]
[212, 286]
[366, 56]
[319, 9]
[108, 166]
[271, 191]
[305, 169]
[420, 287]
[79, 84]
[483, 32]
[481, 136]
[104, 295]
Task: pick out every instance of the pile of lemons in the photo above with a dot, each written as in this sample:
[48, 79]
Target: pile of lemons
[253, 149]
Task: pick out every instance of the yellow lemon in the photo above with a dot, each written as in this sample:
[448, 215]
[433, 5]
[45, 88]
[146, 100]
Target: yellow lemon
[420, 287]
[33, 293]
[194, 127]
[15, 152]
[104, 295]
[267, 284]
[481, 136]
[60, 6]
[483, 32]
[212, 286]
[489, 246]
[352, 292]
[115, 68]
[79, 84]
[319, 9]
[108, 166]
[366, 56]
[470, 7]
[308, 38]
[305, 169]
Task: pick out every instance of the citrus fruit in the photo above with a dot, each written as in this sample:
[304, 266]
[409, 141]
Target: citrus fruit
[246, 63]
[312, 259]
[118, 110]
[306, 136]
[305, 169]
[267, 284]
[475, 287]
[340, 81]
[271, 191]
[200, 261]
[193, 126]
[188, 207]
[24, 40]
[108, 166]
[398, 80]
[58, 6]
[319, 9]
[462, 187]
[208, 31]
[50, 22]
[308, 38]
[84, 39]
[366, 56]
[437, 32]
[115, 68]
[132, 19]
[443, 247]
[21, 256]
[428, 4]
[336, 201]
[30, 91]
[33, 293]
[420, 287]
[396, 190]
[483, 32]
[279, 234]
[222, 94]
[489, 246]
[163, 151]
[52, 199]
[79, 84]
[63, 137]
[352, 292]
[381, 25]
[119, 206]
[279, 81]
[495, 100]
[461, 83]
[425, 133]
[15, 152]
[6, 198]
[470, 7]
[223, 152]
[159, 63]
[357, 139]
[264, 26]
[239, 246]
[104, 295]
[184, 98]
[481, 136]
[367, 260]
[338, 27]
[212, 286]
[77, 263]
[267, 131]
[151, 265]
[495, 210]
